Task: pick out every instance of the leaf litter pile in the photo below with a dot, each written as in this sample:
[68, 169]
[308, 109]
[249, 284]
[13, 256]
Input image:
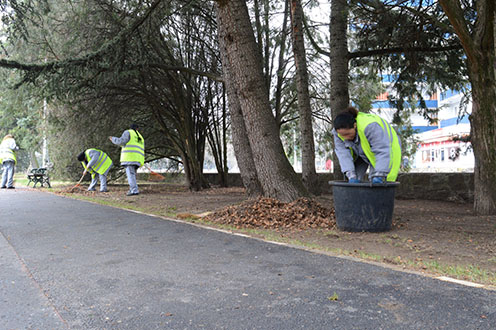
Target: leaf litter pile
[74, 190]
[269, 213]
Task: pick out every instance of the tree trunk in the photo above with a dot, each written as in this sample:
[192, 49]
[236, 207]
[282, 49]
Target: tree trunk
[224, 135]
[216, 131]
[241, 145]
[340, 98]
[193, 166]
[33, 161]
[275, 173]
[262, 32]
[309, 174]
[483, 133]
[281, 65]
[479, 46]
[266, 53]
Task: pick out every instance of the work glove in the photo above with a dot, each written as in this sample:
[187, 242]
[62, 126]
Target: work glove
[378, 179]
[354, 180]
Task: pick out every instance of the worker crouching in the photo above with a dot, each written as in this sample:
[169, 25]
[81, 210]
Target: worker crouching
[362, 140]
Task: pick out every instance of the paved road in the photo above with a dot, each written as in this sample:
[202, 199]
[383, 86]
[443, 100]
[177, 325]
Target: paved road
[67, 264]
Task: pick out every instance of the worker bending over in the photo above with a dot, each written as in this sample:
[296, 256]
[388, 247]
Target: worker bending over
[96, 162]
[363, 139]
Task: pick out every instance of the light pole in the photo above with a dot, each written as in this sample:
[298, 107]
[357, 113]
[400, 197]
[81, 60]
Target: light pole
[44, 151]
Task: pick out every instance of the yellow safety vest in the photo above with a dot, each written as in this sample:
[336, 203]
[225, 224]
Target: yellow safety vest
[102, 164]
[363, 120]
[6, 153]
[134, 150]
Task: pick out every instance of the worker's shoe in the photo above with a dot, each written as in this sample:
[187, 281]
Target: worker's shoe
[3, 187]
[91, 189]
[12, 187]
[104, 190]
[132, 193]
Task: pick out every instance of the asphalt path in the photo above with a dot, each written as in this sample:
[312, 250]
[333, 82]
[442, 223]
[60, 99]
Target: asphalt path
[68, 264]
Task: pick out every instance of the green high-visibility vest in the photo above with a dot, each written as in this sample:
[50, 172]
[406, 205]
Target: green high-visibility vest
[102, 164]
[134, 150]
[7, 153]
[363, 120]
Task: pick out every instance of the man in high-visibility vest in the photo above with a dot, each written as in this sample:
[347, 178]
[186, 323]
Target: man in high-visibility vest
[8, 158]
[363, 140]
[96, 162]
[132, 155]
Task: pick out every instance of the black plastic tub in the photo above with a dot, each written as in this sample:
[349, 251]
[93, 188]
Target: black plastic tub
[363, 206]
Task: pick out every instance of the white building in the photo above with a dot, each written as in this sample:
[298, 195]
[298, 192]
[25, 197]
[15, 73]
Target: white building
[438, 149]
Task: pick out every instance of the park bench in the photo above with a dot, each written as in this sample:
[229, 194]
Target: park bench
[39, 175]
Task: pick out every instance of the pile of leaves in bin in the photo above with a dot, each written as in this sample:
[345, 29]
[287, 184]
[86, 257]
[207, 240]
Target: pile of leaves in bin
[269, 213]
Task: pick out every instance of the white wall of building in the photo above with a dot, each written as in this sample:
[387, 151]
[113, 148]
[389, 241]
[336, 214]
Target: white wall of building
[437, 152]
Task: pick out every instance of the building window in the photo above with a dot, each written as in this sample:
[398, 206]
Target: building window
[425, 156]
[383, 96]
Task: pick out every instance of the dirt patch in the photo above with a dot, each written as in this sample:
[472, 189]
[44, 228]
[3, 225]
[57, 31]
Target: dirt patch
[431, 236]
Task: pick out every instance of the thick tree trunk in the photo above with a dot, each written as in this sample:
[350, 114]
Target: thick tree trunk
[340, 98]
[274, 171]
[479, 45]
[309, 174]
[483, 127]
[241, 144]
[483, 136]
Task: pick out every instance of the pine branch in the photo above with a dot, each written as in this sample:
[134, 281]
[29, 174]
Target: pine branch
[34, 70]
[401, 50]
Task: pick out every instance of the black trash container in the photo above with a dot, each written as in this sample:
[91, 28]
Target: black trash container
[362, 206]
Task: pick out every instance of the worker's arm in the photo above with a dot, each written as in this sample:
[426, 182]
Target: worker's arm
[13, 145]
[85, 166]
[381, 147]
[344, 155]
[94, 155]
[122, 140]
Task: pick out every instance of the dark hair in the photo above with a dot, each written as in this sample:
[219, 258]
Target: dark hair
[81, 156]
[134, 127]
[346, 119]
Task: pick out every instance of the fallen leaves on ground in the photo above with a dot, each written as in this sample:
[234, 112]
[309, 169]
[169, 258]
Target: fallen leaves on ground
[74, 190]
[269, 213]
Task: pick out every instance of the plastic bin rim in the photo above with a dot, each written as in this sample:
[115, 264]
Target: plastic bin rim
[363, 184]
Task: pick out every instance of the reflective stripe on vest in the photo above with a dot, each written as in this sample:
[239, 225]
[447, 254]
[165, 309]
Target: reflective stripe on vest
[6, 153]
[102, 164]
[134, 150]
[363, 120]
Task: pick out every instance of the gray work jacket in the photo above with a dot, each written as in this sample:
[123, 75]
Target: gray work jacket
[379, 144]
[125, 137]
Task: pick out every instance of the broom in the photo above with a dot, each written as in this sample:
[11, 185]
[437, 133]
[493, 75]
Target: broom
[77, 184]
[154, 176]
